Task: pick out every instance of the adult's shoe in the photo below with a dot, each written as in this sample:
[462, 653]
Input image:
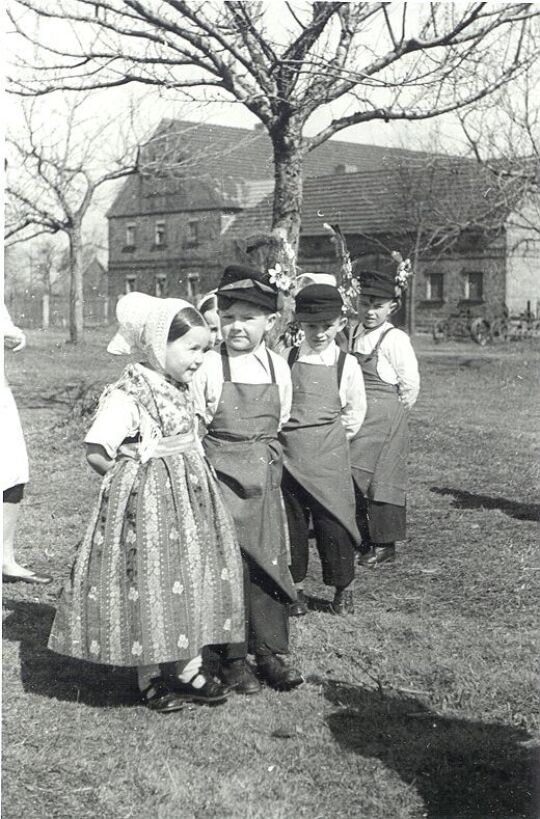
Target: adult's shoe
[238, 676]
[277, 674]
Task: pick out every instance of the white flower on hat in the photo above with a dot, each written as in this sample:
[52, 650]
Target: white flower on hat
[280, 278]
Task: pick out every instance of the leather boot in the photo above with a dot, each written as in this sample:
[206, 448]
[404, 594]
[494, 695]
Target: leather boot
[343, 602]
[238, 675]
[277, 674]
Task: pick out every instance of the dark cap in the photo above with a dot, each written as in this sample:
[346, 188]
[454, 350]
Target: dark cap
[318, 302]
[375, 284]
[242, 283]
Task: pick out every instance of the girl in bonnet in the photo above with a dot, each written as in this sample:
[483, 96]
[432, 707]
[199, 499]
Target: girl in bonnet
[158, 573]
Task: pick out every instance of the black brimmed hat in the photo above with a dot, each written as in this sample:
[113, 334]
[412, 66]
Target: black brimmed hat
[318, 302]
[375, 284]
[242, 283]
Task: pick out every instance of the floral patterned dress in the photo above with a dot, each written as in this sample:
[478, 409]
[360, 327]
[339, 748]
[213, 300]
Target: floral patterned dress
[158, 573]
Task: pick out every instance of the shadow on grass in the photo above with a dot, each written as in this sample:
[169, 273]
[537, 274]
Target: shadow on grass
[461, 769]
[50, 675]
[470, 500]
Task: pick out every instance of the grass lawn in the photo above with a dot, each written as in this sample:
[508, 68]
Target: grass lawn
[420, 705]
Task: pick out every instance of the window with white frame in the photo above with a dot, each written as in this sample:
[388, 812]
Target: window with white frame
[434, 287]
[130, 283]
[130, 234]
[474, 286]
[161, 285]
[160, 234]
[192, 285]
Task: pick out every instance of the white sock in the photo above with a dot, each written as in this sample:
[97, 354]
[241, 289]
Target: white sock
[190, 672]
[145, 675]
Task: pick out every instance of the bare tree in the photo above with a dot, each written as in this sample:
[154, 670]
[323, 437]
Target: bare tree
[348, 62]
[503, 137]
[55, 169]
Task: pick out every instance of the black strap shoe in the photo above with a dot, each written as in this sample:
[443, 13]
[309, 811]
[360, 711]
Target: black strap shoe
[158, 697]
[210, 692]
[277, 674]
[238, 676]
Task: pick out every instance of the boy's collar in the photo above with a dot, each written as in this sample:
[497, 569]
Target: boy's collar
[237, 353]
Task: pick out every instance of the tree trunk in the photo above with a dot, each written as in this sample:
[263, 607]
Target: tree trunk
[288, 157]
[76, 322]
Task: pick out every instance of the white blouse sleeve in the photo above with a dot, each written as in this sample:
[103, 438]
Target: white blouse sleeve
[117, 418]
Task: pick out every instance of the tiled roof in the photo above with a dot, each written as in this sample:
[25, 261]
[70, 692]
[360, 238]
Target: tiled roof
[232, 167]
[441, 191]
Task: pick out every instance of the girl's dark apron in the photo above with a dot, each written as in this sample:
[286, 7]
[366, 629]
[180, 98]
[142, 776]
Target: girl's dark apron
[379, 450]
[243, 448]
[315, 446]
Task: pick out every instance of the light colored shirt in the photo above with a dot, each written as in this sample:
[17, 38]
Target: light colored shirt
[246, 368]
[396, 362]
[352, 393]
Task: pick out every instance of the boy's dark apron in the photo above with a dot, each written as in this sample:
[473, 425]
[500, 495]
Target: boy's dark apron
[315, 447]
[242, 446]
[379, 449]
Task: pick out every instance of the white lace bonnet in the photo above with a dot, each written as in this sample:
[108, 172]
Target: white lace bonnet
[144, 326]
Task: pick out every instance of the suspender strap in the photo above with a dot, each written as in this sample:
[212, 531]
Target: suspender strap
[225, 363]
[340, 365]
[381, 339]
[294, 352]
[271, 367]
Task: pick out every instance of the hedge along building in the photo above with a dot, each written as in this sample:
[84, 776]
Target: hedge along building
[200, 190]
[169, 223]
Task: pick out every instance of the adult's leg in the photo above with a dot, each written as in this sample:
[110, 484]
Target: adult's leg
[11, 507]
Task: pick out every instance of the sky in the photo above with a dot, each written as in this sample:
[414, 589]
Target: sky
[152, 107]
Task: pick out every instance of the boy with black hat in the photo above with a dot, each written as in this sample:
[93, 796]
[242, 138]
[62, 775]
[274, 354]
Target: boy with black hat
[243, 394]
[328, 407]
[379, 451]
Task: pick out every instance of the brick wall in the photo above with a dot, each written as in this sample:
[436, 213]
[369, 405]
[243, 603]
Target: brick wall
[188, 255]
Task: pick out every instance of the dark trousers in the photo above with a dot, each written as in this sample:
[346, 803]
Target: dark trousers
[266, 616]
[379, 523]
[334, 543]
